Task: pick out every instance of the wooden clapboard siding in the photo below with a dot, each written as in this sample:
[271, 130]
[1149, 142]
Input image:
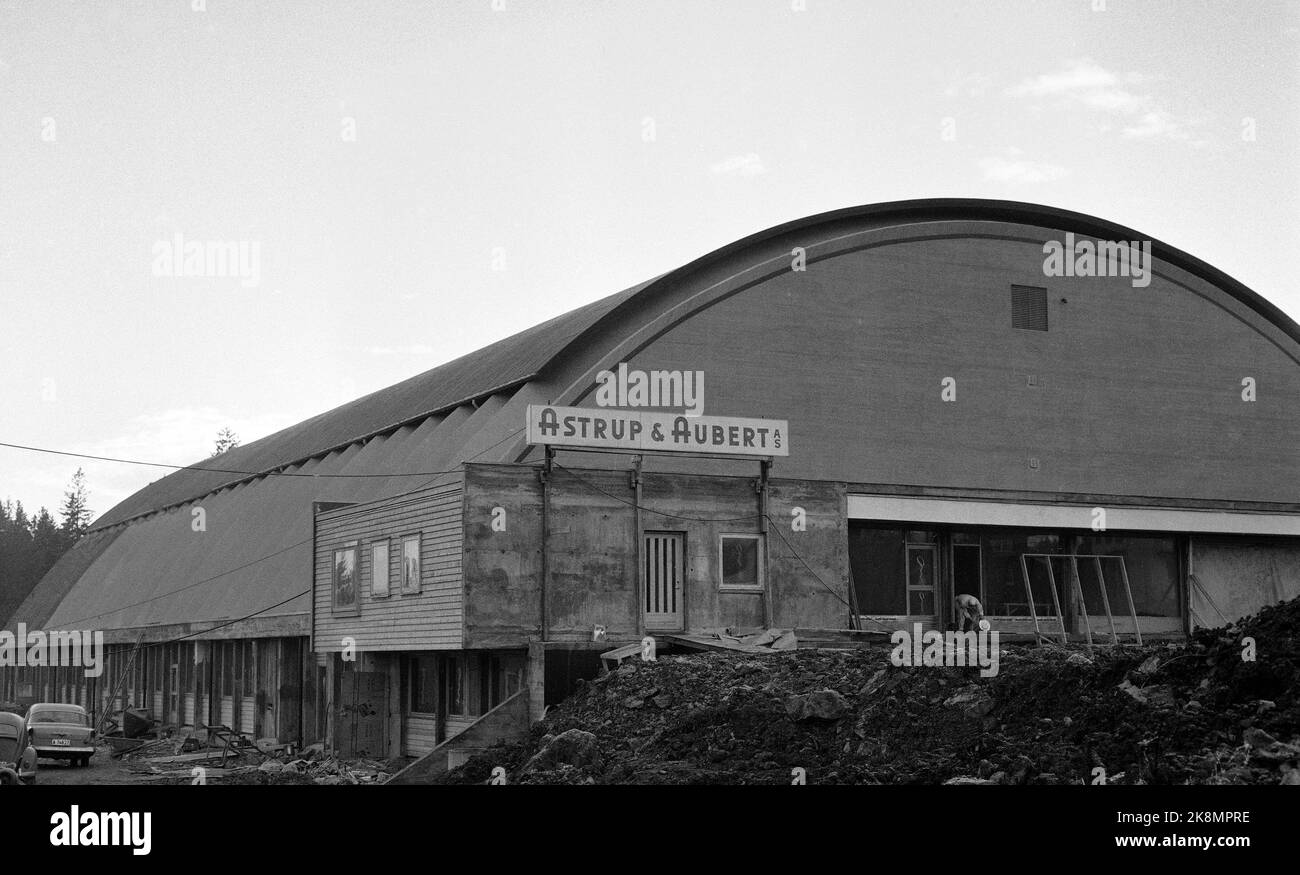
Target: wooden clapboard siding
[246, 715]
[429, 619]
[227, 711]
[419, 734]
[457, 724]
[188, 716]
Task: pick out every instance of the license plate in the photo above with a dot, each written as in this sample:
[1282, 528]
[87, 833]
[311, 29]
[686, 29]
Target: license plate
[63, 741]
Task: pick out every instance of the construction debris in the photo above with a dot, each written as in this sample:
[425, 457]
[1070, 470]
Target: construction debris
[216, 754]
[1204, 711]
[763, 641]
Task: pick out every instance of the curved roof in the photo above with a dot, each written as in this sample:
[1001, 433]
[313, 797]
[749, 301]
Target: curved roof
[516, 359]
[259, 540]
[501, 365]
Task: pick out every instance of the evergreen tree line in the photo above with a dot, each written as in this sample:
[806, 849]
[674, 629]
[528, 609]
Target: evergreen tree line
[30, 544]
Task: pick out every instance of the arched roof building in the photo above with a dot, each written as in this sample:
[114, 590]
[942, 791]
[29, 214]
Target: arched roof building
[951, 398]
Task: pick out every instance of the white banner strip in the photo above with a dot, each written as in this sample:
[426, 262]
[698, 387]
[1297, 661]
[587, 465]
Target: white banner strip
[1060, 516]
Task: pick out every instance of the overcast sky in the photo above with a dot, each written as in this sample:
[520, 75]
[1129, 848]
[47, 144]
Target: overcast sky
[423, 178]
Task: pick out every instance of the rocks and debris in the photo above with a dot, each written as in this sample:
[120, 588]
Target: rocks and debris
[226, 757]
[573, 747]
[818, 705]
[1191, 712]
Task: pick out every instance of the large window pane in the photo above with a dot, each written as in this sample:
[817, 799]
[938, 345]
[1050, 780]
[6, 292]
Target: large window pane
[1152, 565]
[879, 575]
[424, 684]
[1004, 583]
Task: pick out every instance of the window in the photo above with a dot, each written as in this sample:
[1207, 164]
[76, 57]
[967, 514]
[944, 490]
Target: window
[424, 684]
[345, 580]
[379, 570]
[411, 564]
[453, 685]
[742, 562]
[879, 567]
[1151, 563]
[226, 667]
[1029, 308]
[1004, 575]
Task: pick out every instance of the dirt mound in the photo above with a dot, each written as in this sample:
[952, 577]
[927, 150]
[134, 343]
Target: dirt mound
[1199, 711]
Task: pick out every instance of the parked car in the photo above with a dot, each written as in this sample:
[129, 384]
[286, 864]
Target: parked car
[61, 732]
[17, 756]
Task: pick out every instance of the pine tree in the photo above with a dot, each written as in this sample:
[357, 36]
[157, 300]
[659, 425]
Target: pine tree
[49, 541]
[226, 440]
[75, 512]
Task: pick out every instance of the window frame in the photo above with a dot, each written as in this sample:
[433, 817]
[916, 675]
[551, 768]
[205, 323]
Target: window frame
[413, 666]
[386, 543]
[759, 567]
[406, 587]
[452, 681]
[354, 608]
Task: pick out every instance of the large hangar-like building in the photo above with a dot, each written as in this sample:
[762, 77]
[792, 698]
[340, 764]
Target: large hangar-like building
[1078, 442]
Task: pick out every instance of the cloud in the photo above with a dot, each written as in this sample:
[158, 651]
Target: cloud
[178, 436]
[1155, 124]
[1080, 76]
[1085, 83]
[739, 165]
[1015, 169]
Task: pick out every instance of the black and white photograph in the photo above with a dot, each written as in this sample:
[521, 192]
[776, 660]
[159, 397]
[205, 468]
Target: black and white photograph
[495, 407]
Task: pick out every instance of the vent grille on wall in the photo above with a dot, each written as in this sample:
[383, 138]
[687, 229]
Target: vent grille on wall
[1029, 308]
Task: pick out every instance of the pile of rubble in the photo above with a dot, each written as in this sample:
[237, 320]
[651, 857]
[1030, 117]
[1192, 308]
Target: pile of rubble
[215, 756]
[1221, 707]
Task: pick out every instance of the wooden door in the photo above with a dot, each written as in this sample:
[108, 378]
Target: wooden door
[663, 581]
[362, 714]
[922, 581]
[290, 690]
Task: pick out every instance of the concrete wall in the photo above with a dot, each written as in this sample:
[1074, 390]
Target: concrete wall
[593, 552]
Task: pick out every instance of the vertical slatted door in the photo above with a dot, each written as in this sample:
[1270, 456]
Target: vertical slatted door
[662, 581]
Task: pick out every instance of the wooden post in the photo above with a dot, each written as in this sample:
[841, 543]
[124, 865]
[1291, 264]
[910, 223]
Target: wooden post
[638, 577]
[765, 467]
[545, 477]
[536, 680]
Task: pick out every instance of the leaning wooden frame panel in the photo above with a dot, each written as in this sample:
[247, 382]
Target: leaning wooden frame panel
[1077, 584]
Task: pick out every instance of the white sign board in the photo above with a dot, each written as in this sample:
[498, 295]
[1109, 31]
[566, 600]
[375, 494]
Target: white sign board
[643, 431]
